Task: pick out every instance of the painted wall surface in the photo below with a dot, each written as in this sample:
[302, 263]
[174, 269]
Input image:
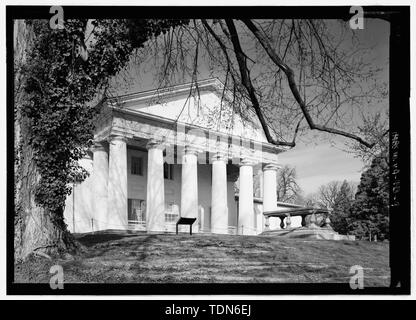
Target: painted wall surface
[79, 213]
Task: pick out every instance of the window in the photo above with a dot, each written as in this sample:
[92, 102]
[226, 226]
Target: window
[136, 166]
[136, 211]
[168, 171]
[171, 213]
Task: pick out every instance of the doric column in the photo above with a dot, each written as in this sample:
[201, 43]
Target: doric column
[155, 195]
[219, 207]
[270, 187]
[189, 187]
[100, 185]
[117, 184]
[245, 199]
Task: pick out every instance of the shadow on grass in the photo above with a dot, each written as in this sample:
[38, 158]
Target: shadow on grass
[92, 239]
[117, 257]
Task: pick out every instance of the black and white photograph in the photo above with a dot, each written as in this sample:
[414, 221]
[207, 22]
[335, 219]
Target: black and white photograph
[208, 150]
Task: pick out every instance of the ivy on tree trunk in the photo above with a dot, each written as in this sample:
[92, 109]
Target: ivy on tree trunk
[55, 116]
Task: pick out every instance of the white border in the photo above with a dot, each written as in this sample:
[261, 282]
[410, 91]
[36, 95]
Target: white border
[3, 185]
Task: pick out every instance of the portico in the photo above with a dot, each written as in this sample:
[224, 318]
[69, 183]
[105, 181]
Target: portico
[149, 169]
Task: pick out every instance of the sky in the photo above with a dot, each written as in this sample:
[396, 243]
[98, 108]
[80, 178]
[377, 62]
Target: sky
[319, 162]
[317, 165]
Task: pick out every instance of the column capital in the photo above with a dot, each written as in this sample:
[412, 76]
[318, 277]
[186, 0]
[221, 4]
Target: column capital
[219, 156]
[155, 144]
[116, 137]
[189, 149]
[247, 162]
[99, 146]
[271, 166]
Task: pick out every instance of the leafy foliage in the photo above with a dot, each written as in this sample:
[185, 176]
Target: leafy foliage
[370, 211]
[342, 207]
[61, 84]
[367, 215]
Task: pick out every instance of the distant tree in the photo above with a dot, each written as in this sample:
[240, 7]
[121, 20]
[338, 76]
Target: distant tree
[287, 190]
[340, 217]
[307, 200]
[287, 187]
[370, 211]
[327, 194]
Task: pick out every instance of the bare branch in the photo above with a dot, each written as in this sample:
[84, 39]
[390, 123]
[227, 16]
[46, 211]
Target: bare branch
[262, 38]
[246, 80]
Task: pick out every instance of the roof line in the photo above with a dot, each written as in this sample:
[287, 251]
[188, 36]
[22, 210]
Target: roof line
[214, 82]
[165, 90]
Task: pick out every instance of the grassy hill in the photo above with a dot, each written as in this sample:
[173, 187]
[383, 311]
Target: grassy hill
[166, 258]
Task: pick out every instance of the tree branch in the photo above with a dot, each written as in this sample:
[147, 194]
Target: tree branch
[246, 80]
[262, 38]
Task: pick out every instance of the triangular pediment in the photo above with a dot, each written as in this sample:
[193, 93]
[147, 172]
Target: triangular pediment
[208, 106]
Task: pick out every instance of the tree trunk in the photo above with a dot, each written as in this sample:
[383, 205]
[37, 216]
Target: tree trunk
[36, 230]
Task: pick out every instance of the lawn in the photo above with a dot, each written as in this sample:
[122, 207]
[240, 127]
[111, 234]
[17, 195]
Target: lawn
[168, 258]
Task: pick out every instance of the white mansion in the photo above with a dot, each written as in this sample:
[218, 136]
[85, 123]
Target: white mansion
[163, 154]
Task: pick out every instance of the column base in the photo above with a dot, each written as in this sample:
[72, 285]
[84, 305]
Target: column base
[247, 232]
[220, 231]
